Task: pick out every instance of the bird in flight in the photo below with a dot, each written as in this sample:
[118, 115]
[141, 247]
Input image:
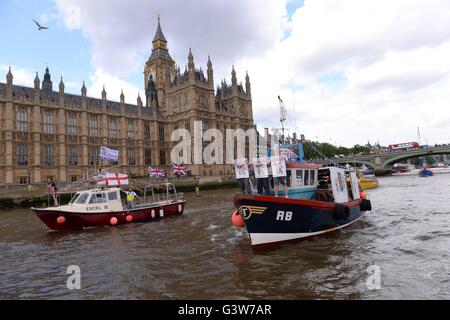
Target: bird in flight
[39, 26]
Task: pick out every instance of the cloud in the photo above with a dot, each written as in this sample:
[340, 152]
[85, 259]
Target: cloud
[113, 87]
[121, 31]
[357, 70]
[21, 77]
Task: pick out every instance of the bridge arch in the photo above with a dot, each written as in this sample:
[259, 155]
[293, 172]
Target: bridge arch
[425, 153]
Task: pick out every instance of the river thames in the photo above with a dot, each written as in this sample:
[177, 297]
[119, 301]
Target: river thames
[200, 255]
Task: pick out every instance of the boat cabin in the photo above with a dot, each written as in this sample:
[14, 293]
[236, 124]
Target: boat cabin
[96, 200]
[337, 185]
[301, 181]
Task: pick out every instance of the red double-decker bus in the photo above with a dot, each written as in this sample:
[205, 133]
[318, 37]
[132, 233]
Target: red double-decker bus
[404, 146]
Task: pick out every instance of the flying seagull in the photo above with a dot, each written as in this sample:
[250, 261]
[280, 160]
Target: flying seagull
[39, 26]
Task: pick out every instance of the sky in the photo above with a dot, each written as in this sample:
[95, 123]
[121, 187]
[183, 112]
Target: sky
[348, 71]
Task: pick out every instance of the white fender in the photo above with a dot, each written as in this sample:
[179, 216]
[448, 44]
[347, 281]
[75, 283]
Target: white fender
[161, 212]
[153, 213]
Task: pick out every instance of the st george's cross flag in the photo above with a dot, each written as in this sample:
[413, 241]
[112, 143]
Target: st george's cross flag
[109, 179]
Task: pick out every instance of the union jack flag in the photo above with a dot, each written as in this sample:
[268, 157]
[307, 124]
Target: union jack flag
[156, 172]
[179, 169]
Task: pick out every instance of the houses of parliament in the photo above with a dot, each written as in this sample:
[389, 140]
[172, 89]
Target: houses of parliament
[48, 133]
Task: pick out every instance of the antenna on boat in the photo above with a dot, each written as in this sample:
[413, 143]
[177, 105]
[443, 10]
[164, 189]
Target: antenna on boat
[418, 136]
[282, 115]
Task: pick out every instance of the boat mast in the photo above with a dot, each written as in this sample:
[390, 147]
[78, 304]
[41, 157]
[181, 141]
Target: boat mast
[282, 116]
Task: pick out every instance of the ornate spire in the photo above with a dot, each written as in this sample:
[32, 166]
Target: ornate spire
[9, 77]
[122, 97]
[233, 77]
[61, 86]
[159, 35]
[104, 93]
[248, 89]
[210, 73]
[209, 63]
[37, 82]
[139, 100]
[190, 60]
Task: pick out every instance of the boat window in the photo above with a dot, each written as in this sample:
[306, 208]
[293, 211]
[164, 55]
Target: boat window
[306, 180]
[312, 177]
[82, 198]
[97, 198]
[341, 182]
[75, 197]
[112, 195]
[299, 177]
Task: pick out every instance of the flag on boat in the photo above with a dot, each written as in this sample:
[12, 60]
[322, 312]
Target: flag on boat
[156, 172]
[109, 154]
[179, 169]
[109, 179]
[290, 155]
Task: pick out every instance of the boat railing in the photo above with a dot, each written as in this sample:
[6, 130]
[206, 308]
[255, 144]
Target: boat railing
[161, 198]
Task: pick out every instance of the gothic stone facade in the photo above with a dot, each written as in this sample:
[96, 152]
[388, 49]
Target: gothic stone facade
[44, 133]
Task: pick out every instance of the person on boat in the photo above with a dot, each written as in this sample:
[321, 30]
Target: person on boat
[130, 198]
[242, 175]
[279, 172]
[53, 190]
[262, 175]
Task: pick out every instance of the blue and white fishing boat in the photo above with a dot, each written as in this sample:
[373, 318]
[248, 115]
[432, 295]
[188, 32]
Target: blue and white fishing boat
[334, 201]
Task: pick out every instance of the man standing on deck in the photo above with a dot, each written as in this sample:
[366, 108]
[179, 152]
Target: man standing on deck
[130, 198]
[279, 173]
[261, 175]
[53, 190]
[242, 175]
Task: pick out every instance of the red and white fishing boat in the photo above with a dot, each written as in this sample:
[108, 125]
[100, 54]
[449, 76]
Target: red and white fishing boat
[107, 206]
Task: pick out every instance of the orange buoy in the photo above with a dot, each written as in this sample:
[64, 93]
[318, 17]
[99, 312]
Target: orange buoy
[60, 219]
[129, 218]
[113, 221]
[363, 195]
[237, 220]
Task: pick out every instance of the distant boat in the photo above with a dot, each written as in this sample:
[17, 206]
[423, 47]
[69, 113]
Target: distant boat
[426, 173]
[368, 182]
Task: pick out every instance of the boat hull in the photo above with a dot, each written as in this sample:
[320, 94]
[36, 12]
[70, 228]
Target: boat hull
[368, 183]
[271, 220]
[78, 221]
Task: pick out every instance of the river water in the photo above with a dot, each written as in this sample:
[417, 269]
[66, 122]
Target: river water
[201, 256]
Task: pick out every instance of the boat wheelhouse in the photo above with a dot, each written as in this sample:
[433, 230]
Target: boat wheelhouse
[301, 181]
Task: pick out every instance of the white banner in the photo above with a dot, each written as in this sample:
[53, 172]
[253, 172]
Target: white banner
[260, 167]
[109, 154]
[278, 164]
[241, 168]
